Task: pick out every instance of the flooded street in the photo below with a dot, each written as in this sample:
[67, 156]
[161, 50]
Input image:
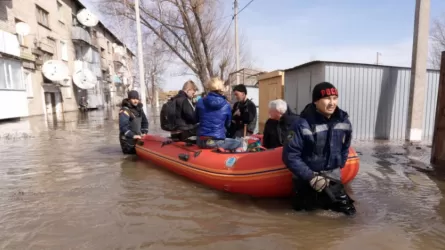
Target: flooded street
[64, 184]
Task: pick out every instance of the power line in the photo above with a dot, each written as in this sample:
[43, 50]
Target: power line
[228, 28]
[233, 16]
[224, 17]
[245, 6]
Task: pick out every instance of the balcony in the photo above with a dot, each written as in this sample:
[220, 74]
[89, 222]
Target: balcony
[119, 59]
[25, 54]
[80, 34]
[9, 44]
[28, 59]
[46, 47]
[104, 64]
[93, 67]
[116, 79]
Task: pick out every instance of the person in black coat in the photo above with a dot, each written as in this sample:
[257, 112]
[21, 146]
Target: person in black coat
[133, 123]
[278, 125]
[316, 150]
[243, 114]
[185, 112]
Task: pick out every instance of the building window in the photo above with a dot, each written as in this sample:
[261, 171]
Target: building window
[42, 16]
[11, 76]
[64, 50]
[108, 47]
[2, 74]
[79, 52]
[95, 56]
[27, 77]
[61, 13]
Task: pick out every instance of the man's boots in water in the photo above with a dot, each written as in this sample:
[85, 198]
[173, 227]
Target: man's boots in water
[339, 200]
[332, 197]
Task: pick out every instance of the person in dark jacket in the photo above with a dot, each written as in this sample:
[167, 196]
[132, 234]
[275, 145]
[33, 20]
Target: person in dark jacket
[316, 149]
[278, 125]
[243, 113]
[185, 112]
[133, 123]
[214, 115]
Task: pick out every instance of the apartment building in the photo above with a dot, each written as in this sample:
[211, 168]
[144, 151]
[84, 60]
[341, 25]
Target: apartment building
[116, 65]
[56, 34]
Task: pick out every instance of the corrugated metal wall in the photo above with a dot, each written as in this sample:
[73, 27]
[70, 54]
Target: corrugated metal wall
[429, 113]
[376, 98]
[298, 85]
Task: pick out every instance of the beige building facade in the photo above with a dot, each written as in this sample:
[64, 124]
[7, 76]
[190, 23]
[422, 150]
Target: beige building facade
[56, 34]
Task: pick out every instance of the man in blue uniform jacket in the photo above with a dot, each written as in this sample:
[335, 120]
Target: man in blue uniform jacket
[317, 148]
[133, 123]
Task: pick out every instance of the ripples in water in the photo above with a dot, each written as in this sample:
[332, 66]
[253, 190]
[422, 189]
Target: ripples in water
[66, 185]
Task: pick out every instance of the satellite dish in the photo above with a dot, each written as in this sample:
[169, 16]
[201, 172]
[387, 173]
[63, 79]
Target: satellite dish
[84, 79]
[22, 28]
[87, 18]
[55, 70]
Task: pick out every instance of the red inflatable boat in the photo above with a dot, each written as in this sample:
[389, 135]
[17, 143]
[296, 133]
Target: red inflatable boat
[258, 174]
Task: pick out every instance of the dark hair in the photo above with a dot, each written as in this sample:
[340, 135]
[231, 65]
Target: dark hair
[240, 88]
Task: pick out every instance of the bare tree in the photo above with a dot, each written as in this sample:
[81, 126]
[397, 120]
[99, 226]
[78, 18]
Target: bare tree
[192, 30]
[156, 55]
[437, 39]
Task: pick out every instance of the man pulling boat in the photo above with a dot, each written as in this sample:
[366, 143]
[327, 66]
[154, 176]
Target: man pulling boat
[316, 149]
[133, 123]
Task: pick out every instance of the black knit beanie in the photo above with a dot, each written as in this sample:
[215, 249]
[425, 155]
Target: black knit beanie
[133, 95]
[240, 88]
[322, 90]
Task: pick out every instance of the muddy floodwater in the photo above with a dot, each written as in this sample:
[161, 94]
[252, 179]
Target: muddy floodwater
[64, 184]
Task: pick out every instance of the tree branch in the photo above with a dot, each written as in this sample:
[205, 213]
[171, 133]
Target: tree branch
[209, 64]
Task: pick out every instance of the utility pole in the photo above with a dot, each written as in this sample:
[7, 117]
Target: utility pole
[377, 61]
[140, 56]
[156, 97]
[155, 87]
[124, 38]
[418, 71]
[154, 91]
[235, 16]
[438, 147]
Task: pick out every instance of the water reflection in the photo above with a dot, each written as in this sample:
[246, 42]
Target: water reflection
[66, 185]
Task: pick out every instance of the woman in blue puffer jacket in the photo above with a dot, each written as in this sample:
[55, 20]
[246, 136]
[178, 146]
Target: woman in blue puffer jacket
[214, 115]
